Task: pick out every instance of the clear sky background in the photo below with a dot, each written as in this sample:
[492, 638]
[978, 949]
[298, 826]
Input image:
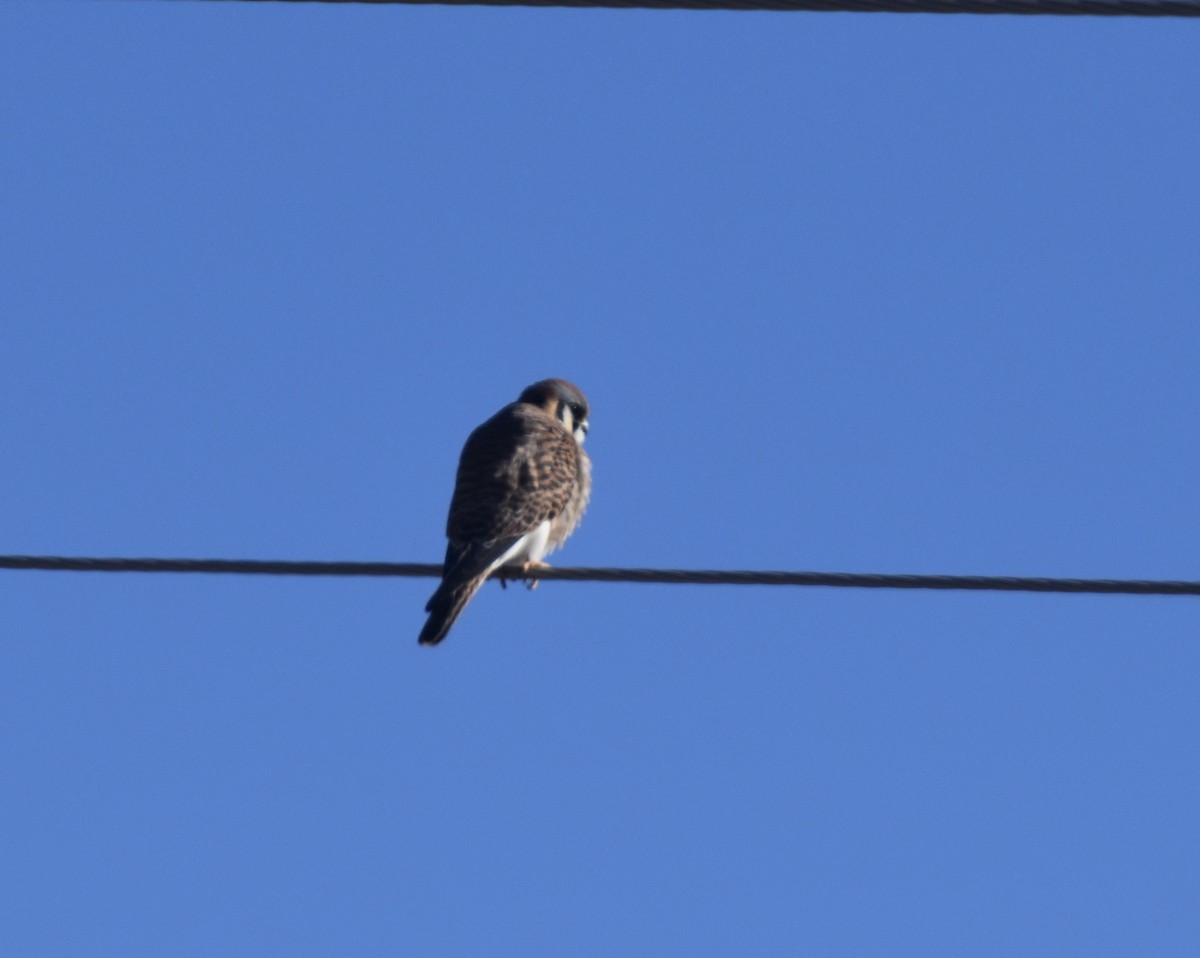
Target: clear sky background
[847, 292]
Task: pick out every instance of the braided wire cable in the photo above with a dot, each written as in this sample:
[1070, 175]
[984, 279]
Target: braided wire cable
[1102, 8]
[987, 583]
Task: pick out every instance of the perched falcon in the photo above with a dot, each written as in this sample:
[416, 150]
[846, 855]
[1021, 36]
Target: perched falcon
[523, 483]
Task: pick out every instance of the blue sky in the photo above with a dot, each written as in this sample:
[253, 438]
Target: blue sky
[846, 292]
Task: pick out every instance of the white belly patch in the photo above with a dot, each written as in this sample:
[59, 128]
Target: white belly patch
[529, 548]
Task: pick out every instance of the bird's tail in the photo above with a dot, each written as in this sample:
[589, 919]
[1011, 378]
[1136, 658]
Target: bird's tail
[445, 605]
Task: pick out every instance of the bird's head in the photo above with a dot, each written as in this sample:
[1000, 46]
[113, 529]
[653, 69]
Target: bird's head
[564, 401]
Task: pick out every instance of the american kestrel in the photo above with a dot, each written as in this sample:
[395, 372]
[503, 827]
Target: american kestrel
[523, 484]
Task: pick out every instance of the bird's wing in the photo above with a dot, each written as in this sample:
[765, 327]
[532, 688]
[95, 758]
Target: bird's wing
[517, 470]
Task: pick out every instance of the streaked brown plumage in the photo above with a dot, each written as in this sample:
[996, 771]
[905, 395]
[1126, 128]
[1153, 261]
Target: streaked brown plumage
[523, 484]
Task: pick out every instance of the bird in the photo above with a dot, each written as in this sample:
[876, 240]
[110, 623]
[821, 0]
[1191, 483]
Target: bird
[522, 486]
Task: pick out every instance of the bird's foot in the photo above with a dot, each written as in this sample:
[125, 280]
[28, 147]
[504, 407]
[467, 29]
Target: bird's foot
[532, 584]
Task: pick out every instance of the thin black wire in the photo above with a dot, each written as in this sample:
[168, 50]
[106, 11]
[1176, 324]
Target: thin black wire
[1101, 8]
[990, 583]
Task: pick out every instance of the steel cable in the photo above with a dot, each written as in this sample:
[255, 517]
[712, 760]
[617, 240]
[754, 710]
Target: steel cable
[860, 580]
[1102, 8]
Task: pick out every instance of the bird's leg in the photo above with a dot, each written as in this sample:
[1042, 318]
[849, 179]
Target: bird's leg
[532, 584]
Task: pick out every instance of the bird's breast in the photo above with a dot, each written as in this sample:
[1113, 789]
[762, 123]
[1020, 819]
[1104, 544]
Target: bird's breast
[567, 520]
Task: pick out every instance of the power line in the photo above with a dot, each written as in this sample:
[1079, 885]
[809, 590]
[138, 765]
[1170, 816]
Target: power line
[859, 580]
[1101, 8]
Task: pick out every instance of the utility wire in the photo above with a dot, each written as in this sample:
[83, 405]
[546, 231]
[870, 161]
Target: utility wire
[978, 583]
[1102, 8]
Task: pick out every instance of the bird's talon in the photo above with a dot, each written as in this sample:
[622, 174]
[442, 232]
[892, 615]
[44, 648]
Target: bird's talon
[532, 584]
